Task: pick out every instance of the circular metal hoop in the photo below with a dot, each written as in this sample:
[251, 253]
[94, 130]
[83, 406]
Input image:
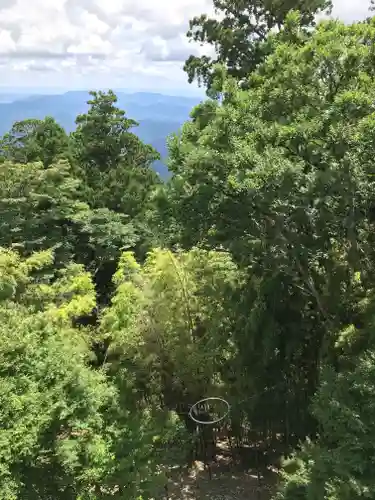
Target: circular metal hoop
[211, 422]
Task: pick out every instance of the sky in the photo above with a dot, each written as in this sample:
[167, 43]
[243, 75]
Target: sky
[133, 44]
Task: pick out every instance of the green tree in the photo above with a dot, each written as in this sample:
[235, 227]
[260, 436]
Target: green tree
[35, 140]
[239, 34]
[51, 403]
[113, 162]
[44, 208]
[168, 320]
[168, 329]
[339, 466]
[115, 168]
[66, 430]
[283, 175]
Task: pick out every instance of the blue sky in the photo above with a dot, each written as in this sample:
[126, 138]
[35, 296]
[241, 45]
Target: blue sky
[137, 44]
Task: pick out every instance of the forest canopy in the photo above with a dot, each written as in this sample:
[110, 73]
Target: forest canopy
[249, 275]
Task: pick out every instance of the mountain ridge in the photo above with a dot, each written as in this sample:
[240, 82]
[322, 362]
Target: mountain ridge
[158, 114]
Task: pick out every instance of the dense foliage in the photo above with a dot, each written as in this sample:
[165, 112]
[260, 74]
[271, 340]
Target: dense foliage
[249, 275]
[239, 34]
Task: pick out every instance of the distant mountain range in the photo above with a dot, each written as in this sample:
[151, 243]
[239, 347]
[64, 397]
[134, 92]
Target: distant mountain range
[158, 115]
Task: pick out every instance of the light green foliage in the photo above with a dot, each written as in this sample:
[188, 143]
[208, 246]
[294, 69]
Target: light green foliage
[63, 433]
[51, 402]
[168, 319]
[44, 207]
[37, 205]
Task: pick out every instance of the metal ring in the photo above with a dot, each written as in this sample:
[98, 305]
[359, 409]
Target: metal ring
[211, 422]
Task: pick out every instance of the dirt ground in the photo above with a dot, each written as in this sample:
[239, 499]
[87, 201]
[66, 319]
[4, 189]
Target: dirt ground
[227, 482]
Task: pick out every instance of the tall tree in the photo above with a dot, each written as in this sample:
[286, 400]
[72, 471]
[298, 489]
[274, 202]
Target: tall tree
[283, 175]
[113, 162]
[115, 168]
[239, 33]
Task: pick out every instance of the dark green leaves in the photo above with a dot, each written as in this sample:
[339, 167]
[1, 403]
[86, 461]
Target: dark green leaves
[239, 34]
[35, 140]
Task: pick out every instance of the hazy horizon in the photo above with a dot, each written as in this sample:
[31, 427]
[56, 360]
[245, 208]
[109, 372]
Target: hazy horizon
[51, 90]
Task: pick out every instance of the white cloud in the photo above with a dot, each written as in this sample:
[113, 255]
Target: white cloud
[105, 42]
[351, 10]
[116, 39]
[7, 43]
